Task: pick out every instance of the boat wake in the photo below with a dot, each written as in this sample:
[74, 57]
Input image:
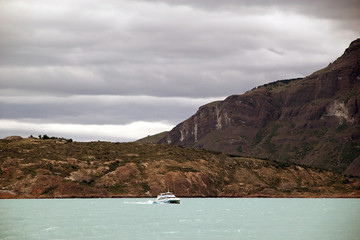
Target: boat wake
[141, 202]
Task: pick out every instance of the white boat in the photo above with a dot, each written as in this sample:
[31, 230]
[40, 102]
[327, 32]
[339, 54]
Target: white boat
[167, 197]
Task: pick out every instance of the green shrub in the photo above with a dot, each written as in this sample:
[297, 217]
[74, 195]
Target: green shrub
[49, 190]
[145, 186]
[342, 128]
[349, 152]
[259, 136]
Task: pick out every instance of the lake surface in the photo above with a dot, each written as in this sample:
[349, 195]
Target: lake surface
[206, 218]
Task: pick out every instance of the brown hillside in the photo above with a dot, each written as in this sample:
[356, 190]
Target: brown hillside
[54, 168]
[313, 121]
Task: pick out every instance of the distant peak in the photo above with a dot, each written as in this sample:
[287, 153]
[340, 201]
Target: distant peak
[355, 43]
[354, 46]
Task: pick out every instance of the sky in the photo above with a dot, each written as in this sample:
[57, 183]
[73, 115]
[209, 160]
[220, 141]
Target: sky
[120, 70]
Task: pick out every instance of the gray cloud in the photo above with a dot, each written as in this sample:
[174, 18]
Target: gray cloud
[118, 62]
[103, 109]
[347, 10]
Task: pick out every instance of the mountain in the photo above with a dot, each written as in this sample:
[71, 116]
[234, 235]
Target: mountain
[313, 121]
[152, 138]
[59, 168]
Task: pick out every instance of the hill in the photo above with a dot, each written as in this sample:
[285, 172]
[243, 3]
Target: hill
[313, 121]
[152, 138]
[56, 168]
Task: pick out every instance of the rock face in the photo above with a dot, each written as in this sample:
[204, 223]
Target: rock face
[33, 168]
[313, 120]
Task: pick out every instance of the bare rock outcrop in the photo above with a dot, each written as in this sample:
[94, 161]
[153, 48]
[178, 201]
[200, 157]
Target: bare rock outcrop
[313, 120]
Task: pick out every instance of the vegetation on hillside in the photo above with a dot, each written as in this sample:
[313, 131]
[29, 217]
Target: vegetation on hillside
[39, 168]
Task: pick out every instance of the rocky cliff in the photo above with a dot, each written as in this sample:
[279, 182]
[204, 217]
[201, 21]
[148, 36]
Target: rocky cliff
[314, 120]
[55, 168]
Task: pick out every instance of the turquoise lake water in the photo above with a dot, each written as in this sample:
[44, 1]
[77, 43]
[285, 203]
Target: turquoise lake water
[194, 218]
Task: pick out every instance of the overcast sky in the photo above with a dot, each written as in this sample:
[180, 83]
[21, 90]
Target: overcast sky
[120, 70]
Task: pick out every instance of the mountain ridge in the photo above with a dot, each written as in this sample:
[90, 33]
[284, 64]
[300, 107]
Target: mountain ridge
[313, 120]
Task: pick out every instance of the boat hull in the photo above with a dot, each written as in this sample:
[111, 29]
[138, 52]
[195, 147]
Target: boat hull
[174, 201]
[168, 201]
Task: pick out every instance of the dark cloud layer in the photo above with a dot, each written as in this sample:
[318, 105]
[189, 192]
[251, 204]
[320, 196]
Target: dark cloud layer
[120, 62]
[92, 109]
[347, 10]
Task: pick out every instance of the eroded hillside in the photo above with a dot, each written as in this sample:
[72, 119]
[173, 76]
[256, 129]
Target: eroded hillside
[37, 168]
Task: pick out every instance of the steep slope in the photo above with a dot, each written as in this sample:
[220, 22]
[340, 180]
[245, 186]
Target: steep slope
[313, 121]
[36, 168]
[152, 138]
